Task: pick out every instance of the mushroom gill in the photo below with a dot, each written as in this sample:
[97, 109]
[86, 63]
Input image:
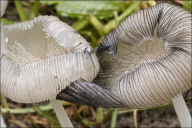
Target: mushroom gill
[41, 57]
[149, 61]
[157, 76]
[143, 68]
[128, 58]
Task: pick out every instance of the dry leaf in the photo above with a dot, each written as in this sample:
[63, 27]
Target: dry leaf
[179, 1]
[18, 123]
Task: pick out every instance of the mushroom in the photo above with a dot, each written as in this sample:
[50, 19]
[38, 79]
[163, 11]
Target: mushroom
[152, 64]
[2, 123]
[4, 4]
[41, 57]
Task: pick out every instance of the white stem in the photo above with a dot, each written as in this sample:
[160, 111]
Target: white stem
[3, 125]
[182, 111]
[61, 114]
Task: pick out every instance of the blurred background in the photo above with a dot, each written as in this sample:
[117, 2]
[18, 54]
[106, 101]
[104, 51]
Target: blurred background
[93, 20]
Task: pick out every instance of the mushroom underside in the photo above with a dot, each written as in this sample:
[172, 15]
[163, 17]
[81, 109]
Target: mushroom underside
[41, 57]
[149, 69]
[147, 83]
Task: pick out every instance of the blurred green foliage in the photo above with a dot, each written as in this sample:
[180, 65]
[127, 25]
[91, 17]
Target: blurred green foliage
[50, 2]
[187, 5]
[6, 22]
[83, 9]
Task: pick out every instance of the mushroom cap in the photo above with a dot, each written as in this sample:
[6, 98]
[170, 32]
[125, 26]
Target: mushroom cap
[4, 4]
[41, 57]
[148, 73]
[152, 62]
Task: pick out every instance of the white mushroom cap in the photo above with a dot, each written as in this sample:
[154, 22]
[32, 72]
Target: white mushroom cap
[41, 57]
[4, 4]
[152, 62]
[158, 67]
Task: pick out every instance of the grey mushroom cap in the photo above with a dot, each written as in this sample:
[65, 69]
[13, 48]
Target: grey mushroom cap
[41, 57]
[149, 61]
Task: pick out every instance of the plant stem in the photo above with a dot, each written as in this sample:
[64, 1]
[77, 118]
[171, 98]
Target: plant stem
[4, 102]
[61, 114]
[150, 108]
[109, 114]
[31, 119]
[97, 25]
[93, 39]
[36, 8]
[111, 24]
[116, 18]
[128, 11]
[6, 22]
[88, 123]
[121, 5]
[20, 10]
[114, 118]
[182, 111]
[127, 3]
[80, 24]
[99, 117]
[77, 114]
[45, 114]
[31, 110]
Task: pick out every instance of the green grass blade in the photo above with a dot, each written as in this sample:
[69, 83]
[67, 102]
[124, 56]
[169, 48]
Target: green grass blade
[99, 117]
[114, 118]
[6, 22]
[187, 5]
[45, 114]
[30, 110]
[20, 10]
[80, 24]
[36, 8]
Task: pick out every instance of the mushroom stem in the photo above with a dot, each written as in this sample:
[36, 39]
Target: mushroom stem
[61, 114]
[3, 125]
[182, 111]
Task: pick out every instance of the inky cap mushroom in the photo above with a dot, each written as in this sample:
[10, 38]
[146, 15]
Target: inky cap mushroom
[3, 5]
[152, 64]
[41, 57]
